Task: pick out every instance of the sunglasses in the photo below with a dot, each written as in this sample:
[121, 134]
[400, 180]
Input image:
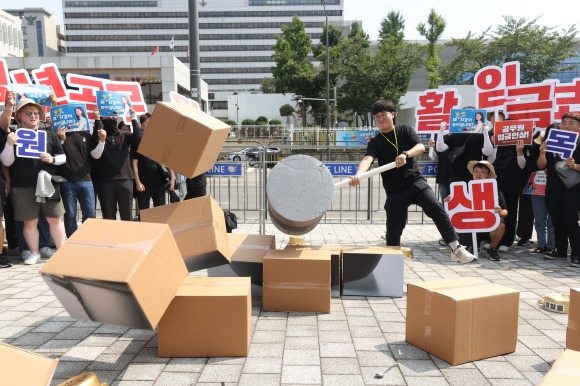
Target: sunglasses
[31, 113]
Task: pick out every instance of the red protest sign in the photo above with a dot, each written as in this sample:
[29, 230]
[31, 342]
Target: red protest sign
[507, 133]
[472, 206]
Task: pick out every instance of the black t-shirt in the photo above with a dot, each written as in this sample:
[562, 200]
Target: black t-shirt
[77, 147]
[149, 170]
[114, 163]
[24, 171]
[380, 148]
[473, 144]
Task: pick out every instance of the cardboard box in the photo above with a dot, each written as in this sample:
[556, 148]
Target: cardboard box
[247, 255]
[573, 330]
[183, 138]
[297, 280]
[199, 228]
[118, 272]
[209, 317]
[335, 264]
[372, 271]
[565, 371]
[21, 367]
[462, 320]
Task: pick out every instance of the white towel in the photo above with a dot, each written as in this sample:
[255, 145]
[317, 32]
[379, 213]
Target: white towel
[44, 186]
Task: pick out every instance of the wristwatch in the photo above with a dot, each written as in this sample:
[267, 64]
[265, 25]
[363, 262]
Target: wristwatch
[406, 153]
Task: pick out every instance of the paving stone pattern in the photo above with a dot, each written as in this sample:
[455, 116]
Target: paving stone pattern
[361, 336]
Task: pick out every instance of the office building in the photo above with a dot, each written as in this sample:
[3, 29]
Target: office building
[41, 34]
[235, 36]
[11, 43]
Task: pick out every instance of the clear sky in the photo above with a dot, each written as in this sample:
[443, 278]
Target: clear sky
[461, 16]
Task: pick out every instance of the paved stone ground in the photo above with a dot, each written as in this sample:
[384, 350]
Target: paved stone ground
[360, 337]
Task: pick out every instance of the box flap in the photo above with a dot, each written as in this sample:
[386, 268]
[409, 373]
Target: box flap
[565, 371]
[374, 249]
[120, 247]
[250, 248]
[475, 291]
[435, 285]
[21, 367]
[214, 286]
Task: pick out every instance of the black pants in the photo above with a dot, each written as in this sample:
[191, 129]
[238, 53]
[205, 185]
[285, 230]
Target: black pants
[421, 194]
[525, 217]
[113, 192]
[511, 220]
[563, 208]
[155, 192]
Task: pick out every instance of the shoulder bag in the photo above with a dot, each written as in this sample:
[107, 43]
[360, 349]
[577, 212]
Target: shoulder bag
[569, 177]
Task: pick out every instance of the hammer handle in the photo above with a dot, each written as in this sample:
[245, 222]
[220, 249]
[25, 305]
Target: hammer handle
[368, 174]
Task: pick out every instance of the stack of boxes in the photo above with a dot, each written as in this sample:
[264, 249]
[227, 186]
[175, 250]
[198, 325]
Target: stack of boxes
[135, 274]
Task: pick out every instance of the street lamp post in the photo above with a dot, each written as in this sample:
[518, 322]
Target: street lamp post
[327, 82]
[194, 62]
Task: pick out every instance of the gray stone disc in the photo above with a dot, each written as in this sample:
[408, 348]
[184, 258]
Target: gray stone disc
[299, 191]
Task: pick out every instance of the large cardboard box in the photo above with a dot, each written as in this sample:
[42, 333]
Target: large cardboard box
[573, 330]
[247, 255]
[209, 317]
[21, 367]
[297, 280]
[372, 271]
[117, 272]
[199, 228]
[335, 264]
[183, 138]
[462, 320]
[565, 371]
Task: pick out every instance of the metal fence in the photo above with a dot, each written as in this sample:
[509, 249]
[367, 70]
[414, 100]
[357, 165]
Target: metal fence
[242, 189]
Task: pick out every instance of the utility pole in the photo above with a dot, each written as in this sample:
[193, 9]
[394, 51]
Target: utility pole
[327, 83]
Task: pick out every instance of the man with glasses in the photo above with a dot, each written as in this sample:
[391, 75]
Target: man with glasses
[405, 185]
[24, 175]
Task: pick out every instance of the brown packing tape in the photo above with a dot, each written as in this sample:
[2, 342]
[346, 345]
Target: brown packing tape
[295, 285]
[167, 150]
[142, 246]
[84, 379]
[189, 227]
[250, 246]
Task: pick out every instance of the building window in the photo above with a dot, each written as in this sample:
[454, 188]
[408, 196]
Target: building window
[39, 39]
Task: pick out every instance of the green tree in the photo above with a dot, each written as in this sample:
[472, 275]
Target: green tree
[367, 76]
[261, 120]
[293, 71]
[432, 31]
[268, 85]
[334, 38]
[540, 50]
[248, 121]
[286, 111]
[393, 26]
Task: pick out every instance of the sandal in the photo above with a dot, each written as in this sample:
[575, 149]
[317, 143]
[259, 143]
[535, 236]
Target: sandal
[551, 255]
[540, 249]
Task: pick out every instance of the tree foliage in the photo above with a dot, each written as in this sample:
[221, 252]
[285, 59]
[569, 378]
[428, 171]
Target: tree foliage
[393, 27]
[367, 76]
[540, 51]
[268, 85]
[293, 71]
[432, 31]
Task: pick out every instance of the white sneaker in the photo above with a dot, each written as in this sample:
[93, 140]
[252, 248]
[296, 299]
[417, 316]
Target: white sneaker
[46, 252]
[30, 258]
[503, 248]
[462, 255]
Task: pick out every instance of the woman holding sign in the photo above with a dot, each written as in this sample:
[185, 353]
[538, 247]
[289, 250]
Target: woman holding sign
[563, 202]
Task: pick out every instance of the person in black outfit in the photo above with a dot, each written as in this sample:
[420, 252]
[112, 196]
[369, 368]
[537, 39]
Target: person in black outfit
[196, 186]
[405, 185]
[149, 178]
[112, 172]
[563, 203]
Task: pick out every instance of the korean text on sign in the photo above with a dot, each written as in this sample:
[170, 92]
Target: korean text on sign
[472, 206]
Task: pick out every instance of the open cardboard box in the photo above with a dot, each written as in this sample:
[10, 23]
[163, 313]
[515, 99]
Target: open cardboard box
[372, 271]
[199, 229]
[118, 272]
[247, 256]
[21, 367]
[462, 320]
[183, 138]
